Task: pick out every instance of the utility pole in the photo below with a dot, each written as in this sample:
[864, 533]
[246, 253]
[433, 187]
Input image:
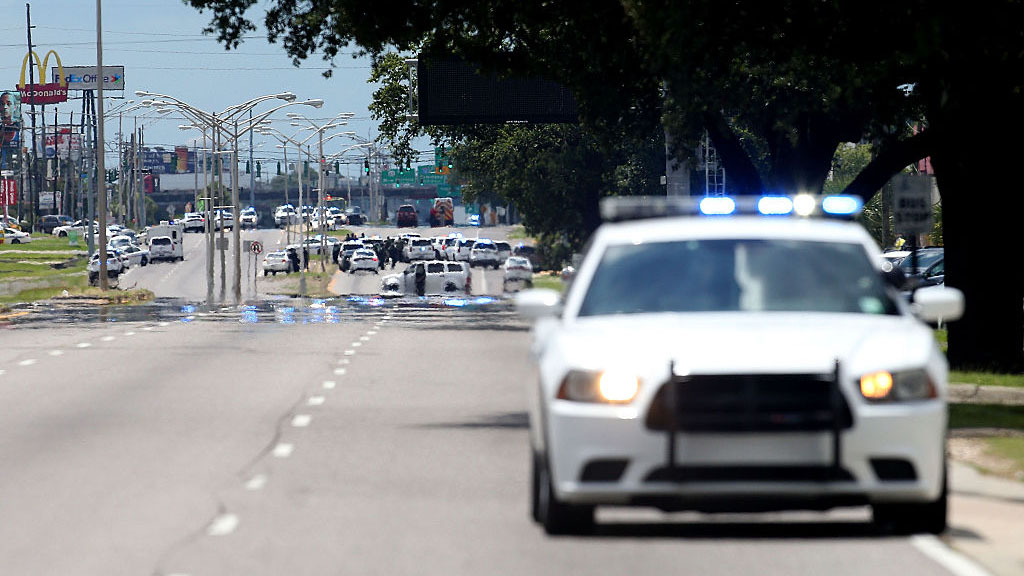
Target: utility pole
[236, 237]
[101, 183]
[33, 198]
[252, 166]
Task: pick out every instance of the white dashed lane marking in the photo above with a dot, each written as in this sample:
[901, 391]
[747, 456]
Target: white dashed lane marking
[356, 344]
[315, 401]
[84, 345]
[330, 384]
[28, 362]
[349, 352]
[257, 482]
[129, 333]
[344, 361]
[301, 420]
[339, 371]
[283, 450]
[371, 333]
[56, 352]
[107, 339]
[364, 338]
[223, 525]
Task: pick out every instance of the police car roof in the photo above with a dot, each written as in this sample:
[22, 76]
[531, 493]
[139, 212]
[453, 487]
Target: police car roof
[706, 227]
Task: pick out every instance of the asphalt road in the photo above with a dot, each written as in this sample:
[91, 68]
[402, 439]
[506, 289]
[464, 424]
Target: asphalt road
[328, 438]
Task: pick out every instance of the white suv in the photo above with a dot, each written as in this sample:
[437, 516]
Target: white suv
[736, 363]
[484, 253]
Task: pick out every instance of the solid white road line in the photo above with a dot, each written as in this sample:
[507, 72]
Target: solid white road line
[950, 559]
[283, 450]
[301, 420]
[223, 525]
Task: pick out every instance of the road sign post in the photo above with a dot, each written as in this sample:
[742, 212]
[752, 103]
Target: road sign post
[912, 213]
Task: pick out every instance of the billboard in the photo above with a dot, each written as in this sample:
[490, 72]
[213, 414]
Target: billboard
[60, 142]
[180, 160]
[10, 118]
[452, 92]
[84, 77]
[37, 94]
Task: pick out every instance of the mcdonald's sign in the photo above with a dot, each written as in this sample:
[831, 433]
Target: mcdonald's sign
[51, 93]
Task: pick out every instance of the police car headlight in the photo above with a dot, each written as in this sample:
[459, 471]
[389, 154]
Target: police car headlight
[907, 385]
[608, 387]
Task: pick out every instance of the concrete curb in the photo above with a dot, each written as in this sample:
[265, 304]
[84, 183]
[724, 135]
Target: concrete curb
[976, 394]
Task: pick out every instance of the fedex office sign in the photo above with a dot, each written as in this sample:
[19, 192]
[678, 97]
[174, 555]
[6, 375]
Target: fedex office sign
[84, 77]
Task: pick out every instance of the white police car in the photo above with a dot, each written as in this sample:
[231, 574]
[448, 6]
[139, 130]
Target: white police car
[737, 363]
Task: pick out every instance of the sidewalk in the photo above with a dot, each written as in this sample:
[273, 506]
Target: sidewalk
[975, 394]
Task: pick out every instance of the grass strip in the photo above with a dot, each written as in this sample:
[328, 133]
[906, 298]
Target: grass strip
[986, 416]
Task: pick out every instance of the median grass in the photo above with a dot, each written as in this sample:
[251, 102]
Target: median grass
[549, 281]
[46, 242]
[977, 377]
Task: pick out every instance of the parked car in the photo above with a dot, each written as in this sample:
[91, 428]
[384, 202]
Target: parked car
[363, 259]
[504, 250]
[115, 265]
[406, 216]
[484, 253]
[193, 222]
[462, 249]
[473, 220]
[924, 267]
[49, 222]
[275, 262]
[134, 254]
[439, 278]
[10, 221]
[79, 226]
[529, 252]
[355, 216]
[419, 249]
[248, 218]
[161, 248]
[285, 215]
[518, 272]
[12, 236]
[347, 249]
[223, 219]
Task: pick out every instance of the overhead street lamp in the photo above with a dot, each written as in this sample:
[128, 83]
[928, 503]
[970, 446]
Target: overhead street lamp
[228, 122]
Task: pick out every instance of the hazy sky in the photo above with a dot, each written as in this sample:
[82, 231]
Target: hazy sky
[161, 45]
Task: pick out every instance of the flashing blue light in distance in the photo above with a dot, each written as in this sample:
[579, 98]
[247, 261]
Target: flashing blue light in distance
[717, 206]
[775, 205]
[483, 300]
[842, 205]
[456, 302]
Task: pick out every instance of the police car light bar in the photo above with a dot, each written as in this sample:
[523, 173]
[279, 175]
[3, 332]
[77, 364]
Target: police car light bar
[621, 208]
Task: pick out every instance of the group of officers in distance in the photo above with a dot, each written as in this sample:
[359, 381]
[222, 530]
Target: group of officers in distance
[389, 251]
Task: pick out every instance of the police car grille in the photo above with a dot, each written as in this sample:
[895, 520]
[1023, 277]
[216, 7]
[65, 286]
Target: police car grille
[749, 403]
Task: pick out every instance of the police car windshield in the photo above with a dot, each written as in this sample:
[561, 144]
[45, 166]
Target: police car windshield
[736, 275]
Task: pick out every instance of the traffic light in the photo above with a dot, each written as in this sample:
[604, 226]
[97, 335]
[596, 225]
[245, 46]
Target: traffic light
[337, 167]
[366, 166]
[278, 168]
[257, 168]
[248, 168]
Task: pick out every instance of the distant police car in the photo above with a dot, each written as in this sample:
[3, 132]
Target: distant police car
[737, 362]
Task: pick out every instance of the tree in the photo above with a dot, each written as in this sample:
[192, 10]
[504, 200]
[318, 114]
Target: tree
[778, 86]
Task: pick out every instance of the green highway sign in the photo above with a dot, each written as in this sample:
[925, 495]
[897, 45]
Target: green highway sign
[398, 177]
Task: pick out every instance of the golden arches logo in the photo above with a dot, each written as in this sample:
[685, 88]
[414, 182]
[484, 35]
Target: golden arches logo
[41, 68]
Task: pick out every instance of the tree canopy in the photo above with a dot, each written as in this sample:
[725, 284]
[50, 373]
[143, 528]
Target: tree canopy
[778, 86]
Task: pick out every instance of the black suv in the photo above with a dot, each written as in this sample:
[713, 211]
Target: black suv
[51, 221]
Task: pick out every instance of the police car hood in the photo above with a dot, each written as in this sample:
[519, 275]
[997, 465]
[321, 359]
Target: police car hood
[717, 343]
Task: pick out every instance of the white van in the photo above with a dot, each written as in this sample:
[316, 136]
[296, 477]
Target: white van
[159, 247]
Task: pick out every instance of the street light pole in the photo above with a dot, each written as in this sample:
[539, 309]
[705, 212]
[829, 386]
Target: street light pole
[101, 181]
[236, 236]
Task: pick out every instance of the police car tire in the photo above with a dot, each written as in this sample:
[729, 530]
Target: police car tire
[914, 517]
[556, 516]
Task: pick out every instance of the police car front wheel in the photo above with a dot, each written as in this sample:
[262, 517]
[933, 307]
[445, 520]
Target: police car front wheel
[557, 517]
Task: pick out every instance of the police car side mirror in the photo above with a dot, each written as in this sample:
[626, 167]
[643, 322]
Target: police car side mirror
[539, 303]
[936, 303]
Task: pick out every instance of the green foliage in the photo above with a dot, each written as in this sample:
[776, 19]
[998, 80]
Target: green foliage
[986, 416]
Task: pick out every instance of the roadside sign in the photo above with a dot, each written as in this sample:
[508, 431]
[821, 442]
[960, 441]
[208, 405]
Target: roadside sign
[256, 247]
[912, 205]
[223, 244]
[8, 192]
